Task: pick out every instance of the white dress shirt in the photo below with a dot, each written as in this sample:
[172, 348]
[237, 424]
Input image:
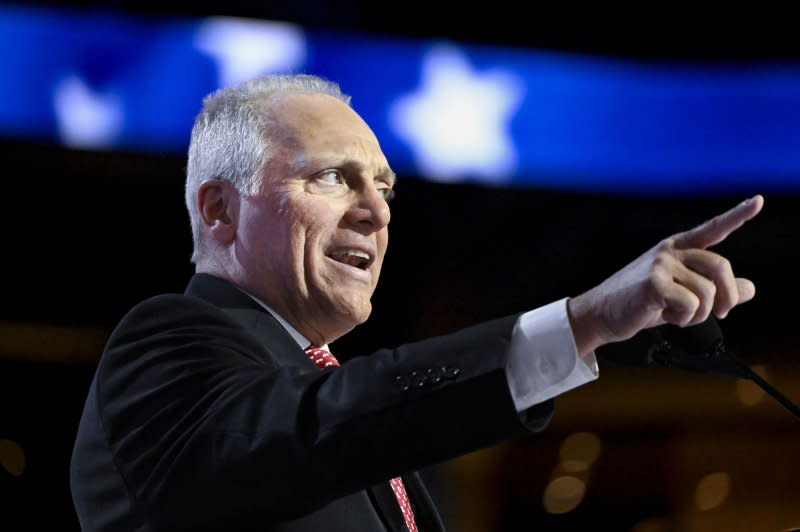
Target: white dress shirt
[543, 361]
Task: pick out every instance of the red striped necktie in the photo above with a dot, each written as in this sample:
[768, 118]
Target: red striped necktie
[324, 359]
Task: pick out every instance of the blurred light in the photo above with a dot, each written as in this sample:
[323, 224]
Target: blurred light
[51, 343]
[563, 494]
[245, 48]
[86, 118]
[748, 392]
[12, 457]
[579, 451]
[574, 466]
[712, 490]
[653, 524]
[458, 122]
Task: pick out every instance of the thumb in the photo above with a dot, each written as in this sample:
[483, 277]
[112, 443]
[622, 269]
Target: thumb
[747, 290]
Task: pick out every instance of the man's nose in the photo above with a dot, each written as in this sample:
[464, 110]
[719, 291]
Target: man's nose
[369, 210]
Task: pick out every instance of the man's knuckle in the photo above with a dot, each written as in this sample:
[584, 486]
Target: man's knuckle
[666, 245]
[659, 276]
[724, 266]
[710, 289]
[662, 260]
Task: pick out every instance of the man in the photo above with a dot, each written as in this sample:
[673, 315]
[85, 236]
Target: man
[209, 409]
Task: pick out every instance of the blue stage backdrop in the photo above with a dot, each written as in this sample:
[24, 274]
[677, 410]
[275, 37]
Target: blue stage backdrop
[443, 110]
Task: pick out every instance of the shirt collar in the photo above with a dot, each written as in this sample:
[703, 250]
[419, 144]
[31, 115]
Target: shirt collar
[301, 340]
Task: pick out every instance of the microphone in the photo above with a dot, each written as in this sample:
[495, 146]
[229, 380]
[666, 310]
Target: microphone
[698, 348]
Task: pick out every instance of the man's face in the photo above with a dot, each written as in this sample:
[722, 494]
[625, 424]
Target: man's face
[312, 242]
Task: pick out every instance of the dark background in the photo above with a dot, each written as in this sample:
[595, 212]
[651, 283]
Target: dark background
[89, 234]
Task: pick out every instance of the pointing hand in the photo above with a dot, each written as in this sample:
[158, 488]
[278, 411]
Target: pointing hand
[678, 281]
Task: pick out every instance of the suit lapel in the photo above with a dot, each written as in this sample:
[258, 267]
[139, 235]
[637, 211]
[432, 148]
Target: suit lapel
[386, 505]
[283, 350]
[428, 519]
[425, 514]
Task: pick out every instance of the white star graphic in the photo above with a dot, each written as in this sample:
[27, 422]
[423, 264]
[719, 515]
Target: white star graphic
[457, 122]
[86, 118]
[246, 48]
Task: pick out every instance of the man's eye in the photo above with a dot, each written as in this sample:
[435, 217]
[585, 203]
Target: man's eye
[387, 193]
[331, 177]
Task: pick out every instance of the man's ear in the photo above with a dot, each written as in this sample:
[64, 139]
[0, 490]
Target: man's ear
[218, 203]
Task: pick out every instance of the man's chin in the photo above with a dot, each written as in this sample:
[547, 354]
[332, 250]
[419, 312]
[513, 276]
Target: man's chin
[340, 316]
[356, 315]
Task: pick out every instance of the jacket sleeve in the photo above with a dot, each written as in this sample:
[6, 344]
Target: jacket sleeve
[204, 425]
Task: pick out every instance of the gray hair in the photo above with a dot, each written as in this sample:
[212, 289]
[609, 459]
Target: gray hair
[232, 138]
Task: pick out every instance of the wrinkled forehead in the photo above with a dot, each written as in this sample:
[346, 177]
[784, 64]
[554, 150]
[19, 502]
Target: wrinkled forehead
[314, 126]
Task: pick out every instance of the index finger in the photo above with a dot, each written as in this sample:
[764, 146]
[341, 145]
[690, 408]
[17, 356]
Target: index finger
[719, 227]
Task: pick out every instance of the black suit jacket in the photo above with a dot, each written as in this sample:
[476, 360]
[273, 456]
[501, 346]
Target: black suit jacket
[204, 414]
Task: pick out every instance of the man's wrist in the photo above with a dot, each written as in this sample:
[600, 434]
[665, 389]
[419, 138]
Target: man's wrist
[587, 330]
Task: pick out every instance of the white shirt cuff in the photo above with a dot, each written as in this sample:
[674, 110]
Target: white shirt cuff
[543, 361]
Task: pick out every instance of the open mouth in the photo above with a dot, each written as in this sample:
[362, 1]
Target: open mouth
[356, 258]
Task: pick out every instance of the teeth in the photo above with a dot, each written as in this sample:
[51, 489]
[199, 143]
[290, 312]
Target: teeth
[353, 257]
[357, 253]
[352, 253]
